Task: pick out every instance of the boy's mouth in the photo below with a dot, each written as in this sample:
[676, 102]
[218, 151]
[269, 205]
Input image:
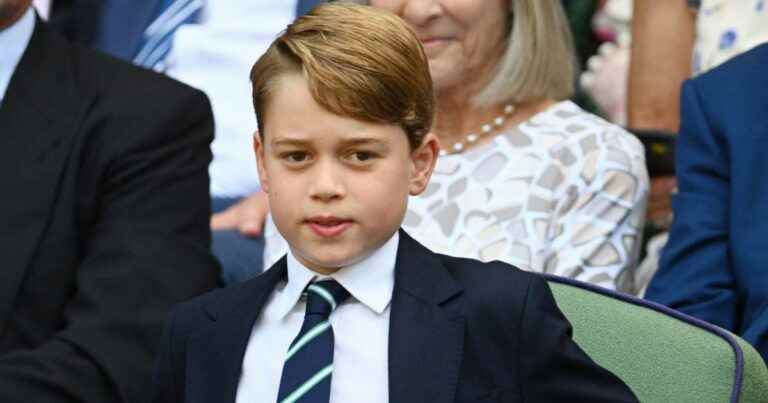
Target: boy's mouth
[328, 226]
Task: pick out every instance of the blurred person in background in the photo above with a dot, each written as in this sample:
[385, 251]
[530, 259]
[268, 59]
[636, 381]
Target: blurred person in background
[672, 41]
[209, 45]
[104, 215]
[525, 176]
[714, 265]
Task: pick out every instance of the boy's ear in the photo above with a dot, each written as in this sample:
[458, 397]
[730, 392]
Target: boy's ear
[423, 160]
[258, 148]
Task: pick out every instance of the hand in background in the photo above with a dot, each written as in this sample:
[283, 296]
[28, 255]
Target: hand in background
[247, 215]
[660, 201]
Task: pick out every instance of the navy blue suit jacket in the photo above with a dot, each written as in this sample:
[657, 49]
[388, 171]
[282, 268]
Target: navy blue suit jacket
[715, 266]
[460, 331]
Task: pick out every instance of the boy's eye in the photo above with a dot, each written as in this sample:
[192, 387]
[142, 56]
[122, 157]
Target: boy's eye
[361, 156]
[296, 156]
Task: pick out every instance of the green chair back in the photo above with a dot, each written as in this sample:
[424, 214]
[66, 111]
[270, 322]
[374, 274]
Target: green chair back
[662, 355]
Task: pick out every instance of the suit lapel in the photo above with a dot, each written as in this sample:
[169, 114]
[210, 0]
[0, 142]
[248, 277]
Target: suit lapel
[426, 335]
[215, 353]
[39, 120]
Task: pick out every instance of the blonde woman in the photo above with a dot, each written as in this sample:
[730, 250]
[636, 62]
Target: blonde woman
[524, 175]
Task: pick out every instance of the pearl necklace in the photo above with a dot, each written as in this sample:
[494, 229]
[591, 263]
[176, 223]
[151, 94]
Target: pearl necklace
[485, 130]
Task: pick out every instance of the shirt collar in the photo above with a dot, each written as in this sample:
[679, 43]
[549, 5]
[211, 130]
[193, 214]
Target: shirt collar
[369, 281]
[13, 42]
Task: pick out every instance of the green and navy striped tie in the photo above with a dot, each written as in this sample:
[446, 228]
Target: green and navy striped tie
[309, 362]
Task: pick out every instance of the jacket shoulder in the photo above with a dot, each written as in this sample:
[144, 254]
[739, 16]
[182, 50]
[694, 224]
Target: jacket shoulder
[743, 74]
[191, 314]
[111, 76]
[146, 108]
[492, 284]
[122, 90]
[731, 96]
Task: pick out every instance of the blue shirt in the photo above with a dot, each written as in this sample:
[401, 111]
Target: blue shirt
[13, 42]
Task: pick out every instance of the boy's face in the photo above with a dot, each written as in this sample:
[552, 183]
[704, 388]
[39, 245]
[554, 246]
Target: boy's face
[338, 187]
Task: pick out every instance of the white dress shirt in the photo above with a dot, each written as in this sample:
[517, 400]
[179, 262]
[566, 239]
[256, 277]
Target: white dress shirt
[13, 43]
[360, 329]
[216, 57]
[43, 8]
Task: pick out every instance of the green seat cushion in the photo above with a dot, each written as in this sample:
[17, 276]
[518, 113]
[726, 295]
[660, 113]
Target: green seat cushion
[663, 355]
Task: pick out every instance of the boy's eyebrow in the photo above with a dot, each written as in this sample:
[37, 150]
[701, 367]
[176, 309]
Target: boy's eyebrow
[358, 141]
[288, 142]
[354, 141]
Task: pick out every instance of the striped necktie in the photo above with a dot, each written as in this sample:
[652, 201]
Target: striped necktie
[158, 37]
[309, 362]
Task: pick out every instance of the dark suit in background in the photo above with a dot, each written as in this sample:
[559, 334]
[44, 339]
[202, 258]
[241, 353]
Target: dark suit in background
[104, 215]
[460, 331]
[118, 28]
[715, 265]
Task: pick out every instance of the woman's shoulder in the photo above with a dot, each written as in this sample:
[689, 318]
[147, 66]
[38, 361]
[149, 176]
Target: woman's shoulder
[567, 118]
[570, 127]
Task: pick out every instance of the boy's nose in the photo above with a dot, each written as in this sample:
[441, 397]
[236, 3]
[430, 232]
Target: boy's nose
[327, 183]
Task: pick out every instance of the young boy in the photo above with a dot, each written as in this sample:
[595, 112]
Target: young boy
[358, 311]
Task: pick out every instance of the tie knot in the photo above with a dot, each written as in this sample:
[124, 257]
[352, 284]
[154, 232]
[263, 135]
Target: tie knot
[324, 296]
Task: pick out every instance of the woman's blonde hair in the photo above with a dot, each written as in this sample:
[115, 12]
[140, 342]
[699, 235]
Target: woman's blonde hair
[359, 62]
[539, 61]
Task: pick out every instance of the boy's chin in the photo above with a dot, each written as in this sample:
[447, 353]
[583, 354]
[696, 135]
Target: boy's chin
[331, 264]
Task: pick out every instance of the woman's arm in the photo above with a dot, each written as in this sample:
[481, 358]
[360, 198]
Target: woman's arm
[662, 44]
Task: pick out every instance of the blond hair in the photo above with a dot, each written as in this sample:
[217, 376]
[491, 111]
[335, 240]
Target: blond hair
[539, 60]
[359, 62]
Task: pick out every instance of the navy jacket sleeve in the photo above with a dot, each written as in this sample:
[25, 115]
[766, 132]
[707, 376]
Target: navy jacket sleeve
[553, 368]
[695, 274]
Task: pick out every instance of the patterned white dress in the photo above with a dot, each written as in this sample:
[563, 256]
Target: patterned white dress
[564, 192]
